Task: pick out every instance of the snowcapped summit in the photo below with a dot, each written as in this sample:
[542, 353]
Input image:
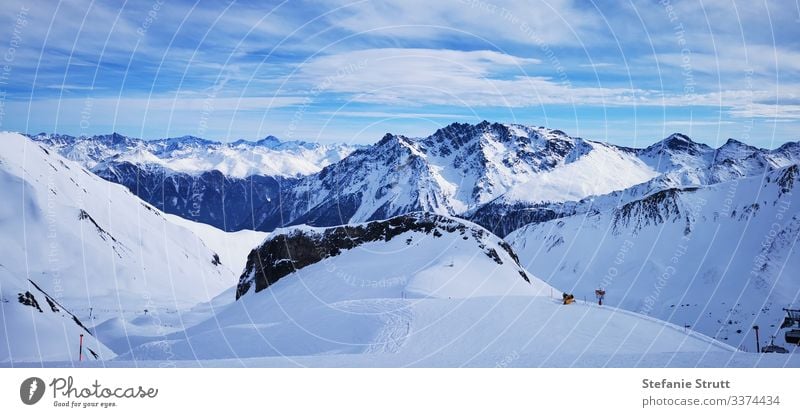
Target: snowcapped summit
[690, 163]
[677, 143]
[677, 152]
[182, 143]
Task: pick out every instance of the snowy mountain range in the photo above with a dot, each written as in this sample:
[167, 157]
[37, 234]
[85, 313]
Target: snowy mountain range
[216, 183]
[455, 171]
[192, 155]
[501, 176]
[505, 176]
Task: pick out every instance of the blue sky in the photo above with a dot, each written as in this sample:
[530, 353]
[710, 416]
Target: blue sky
[630, 72]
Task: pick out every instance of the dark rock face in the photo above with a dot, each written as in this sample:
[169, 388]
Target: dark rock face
[502, 219]
[788, 178]
[224, 202]
[287, 253]
[28, 299]
[654, 209]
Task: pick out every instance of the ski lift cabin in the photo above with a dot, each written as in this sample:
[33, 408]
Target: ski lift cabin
[773, 348]
[792, 321]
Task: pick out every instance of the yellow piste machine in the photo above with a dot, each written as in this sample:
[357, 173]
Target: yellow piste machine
[567, 298]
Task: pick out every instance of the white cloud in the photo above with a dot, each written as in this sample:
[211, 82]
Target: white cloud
[597, 65]
[449, 77]
[400, 76]
[556, 22]
[768, 111]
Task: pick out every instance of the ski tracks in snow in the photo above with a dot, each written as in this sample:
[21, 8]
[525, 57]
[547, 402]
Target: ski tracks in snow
[396, 317]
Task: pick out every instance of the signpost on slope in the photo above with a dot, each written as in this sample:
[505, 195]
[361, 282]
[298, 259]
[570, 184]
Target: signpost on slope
[600, 294]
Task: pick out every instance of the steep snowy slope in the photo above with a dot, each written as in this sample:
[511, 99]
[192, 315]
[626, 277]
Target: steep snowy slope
[719, 258]
[419, 289]
[231, 246]
[88, 243]
[602, 170]
[36, 328]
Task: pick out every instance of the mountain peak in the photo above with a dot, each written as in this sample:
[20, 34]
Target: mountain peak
[680, 143]
[386, 138]
[269, 141]
[460, 134]
[736, 144]
[678, 138]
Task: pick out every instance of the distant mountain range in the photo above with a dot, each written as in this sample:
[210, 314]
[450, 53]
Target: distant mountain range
[193, 155]
[500, 176]
[220, 184]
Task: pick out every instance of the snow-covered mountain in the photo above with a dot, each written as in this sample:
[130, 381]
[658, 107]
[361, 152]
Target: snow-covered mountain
[677, 162]
[719, 258]
[74, 243]
[415, 290]
[454, 172]
[193, 155]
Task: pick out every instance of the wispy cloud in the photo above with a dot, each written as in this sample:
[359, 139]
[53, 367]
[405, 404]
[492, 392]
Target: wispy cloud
[394, 115]
[555, 22]
[70, 87]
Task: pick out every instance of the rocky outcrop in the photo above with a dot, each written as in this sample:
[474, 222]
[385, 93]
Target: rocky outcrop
[295, 249]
